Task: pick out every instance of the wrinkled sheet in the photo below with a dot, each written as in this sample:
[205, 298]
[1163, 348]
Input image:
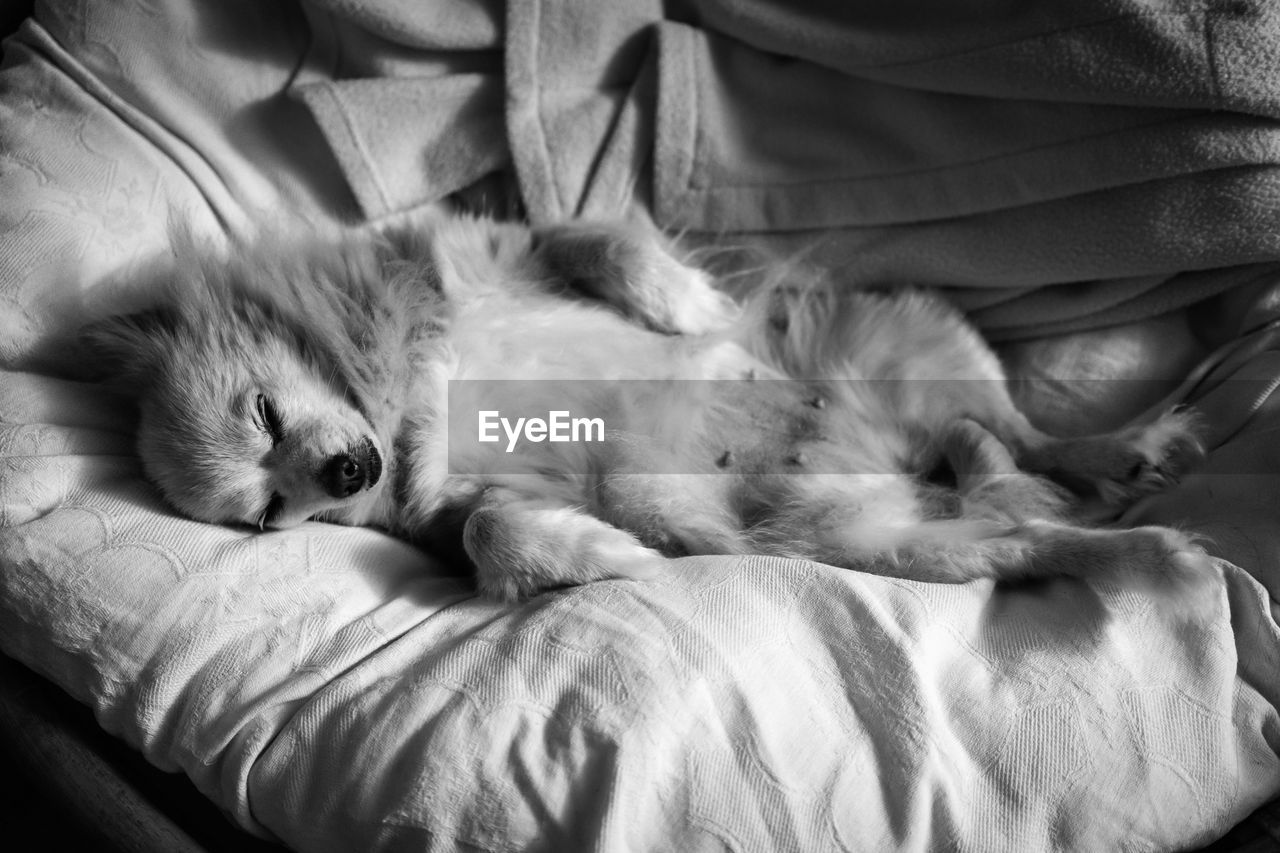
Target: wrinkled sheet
[334, 689]
[326, 686]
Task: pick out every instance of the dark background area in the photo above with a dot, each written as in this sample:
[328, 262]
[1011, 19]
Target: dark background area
[12, 13]
[67, 785]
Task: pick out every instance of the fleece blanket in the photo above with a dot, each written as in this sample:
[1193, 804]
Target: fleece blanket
[335, 689]
[1052, 167]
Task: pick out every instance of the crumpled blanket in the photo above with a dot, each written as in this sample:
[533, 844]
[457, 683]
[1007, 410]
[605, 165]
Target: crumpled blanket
[1052, 167]
[334, 689]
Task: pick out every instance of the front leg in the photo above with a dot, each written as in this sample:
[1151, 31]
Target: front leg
[629, 266]
[522, 546]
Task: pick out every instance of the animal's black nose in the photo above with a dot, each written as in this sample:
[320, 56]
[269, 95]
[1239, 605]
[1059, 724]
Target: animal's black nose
[343, 476]
[358, 468]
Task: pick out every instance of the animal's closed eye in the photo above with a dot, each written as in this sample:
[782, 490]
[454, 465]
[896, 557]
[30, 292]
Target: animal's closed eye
[269, 419]
[274, 507]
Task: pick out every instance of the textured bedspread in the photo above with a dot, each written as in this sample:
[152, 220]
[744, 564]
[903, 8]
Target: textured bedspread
[327, 686]
[333, 688]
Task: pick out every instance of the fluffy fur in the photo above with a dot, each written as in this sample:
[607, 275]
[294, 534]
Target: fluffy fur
[279, 384]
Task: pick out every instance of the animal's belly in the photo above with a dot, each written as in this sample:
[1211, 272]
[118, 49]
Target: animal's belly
[562, 389]
[571, 395]
[540, 340]
[768, 428]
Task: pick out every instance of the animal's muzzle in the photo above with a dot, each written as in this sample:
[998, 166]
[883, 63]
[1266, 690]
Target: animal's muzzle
[358, 468]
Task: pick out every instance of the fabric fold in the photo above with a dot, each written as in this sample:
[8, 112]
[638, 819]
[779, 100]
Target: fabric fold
[749, 141]
[403, 142]
[973, 149]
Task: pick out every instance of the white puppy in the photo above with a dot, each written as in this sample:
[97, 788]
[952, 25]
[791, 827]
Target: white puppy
[349, 381]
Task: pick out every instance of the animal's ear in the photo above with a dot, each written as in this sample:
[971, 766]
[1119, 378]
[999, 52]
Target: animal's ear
[126, 349]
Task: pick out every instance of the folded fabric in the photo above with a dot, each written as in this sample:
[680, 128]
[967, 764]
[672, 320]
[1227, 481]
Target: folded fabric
[975, 149]
[970, 150]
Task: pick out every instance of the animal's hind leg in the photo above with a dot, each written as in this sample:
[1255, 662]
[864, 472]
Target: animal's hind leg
[941, 370]
[966, 550]
[1120, 467]
[990, 483]
[1111, 470]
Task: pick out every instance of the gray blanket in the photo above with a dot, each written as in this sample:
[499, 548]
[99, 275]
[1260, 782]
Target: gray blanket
[1054, 166]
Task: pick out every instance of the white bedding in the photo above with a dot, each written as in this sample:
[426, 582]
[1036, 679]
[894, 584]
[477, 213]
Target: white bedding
[326, 686]
[331, 688]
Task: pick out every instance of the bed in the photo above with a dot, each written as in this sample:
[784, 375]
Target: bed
[1095, 186]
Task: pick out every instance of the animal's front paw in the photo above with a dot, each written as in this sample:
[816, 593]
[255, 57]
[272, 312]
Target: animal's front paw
[521, 548]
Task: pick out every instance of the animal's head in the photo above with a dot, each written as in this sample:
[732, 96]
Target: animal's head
[248, 412]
